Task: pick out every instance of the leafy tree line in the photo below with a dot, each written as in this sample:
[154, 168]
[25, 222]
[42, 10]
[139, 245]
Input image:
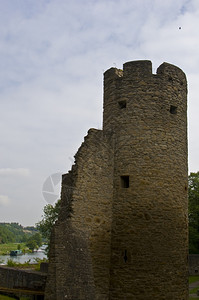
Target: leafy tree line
[194, 213]
[15, 233]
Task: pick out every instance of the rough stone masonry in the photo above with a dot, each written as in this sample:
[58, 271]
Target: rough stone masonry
[122, 229]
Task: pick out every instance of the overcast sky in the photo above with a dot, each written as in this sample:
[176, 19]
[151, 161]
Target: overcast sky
[52, 57]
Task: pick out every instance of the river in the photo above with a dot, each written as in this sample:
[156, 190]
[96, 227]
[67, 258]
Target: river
[25, 257]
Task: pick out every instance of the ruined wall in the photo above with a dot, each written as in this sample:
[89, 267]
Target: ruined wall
[80, 249]
[122, 230]
[93, 204]
[147, 114]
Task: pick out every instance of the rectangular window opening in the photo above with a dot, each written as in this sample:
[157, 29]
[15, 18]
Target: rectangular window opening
[122, 104]
[125, 182]
[173, 110]
[125, 256]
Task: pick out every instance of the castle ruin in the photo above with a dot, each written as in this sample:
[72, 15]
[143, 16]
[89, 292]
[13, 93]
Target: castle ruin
[122, 233]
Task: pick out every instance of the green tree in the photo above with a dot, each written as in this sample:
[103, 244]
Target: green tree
[49, 218]
[37, 238]
[194, 213]
[34, 242]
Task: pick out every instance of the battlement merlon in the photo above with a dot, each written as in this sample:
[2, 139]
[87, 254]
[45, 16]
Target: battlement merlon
[137, 68]
[172, 73]
[143, 69]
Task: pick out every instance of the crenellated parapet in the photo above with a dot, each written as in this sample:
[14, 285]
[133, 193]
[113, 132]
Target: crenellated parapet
[142, 69]
[124, 89]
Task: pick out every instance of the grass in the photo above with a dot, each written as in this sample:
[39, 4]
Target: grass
[5, 297]
[6, 248]
[194, 290]
[26, 265]
[193, 278]
[2, 297]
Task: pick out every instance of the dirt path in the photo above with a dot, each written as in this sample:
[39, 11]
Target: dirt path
[192, 286]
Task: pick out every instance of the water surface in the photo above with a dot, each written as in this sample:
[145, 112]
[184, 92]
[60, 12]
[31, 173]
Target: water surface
[24, 257]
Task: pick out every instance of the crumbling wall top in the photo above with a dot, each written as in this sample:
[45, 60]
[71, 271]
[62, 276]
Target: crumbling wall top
[113, 73]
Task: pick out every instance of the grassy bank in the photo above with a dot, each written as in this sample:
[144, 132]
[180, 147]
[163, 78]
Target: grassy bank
[5, 297]
[6, 248]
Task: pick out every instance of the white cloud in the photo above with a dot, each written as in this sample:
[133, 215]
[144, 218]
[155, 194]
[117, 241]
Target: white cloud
[14, 172]
[53, 54]
[4, 200]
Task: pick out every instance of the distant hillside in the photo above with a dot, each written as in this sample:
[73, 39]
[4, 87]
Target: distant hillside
[15, 233]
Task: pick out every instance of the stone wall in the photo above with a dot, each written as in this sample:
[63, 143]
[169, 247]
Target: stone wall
[193, 264]
[17, 279]
[122, 230]
[147, 114]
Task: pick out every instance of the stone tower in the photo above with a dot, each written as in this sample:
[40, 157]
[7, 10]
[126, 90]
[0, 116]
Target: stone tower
[122, 230]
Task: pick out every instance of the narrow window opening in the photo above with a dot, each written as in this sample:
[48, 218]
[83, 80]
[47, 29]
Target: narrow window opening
[122, 104]
[170, 79]
[196, 271]
[173, 110]
[125, 256]
[125, 182]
